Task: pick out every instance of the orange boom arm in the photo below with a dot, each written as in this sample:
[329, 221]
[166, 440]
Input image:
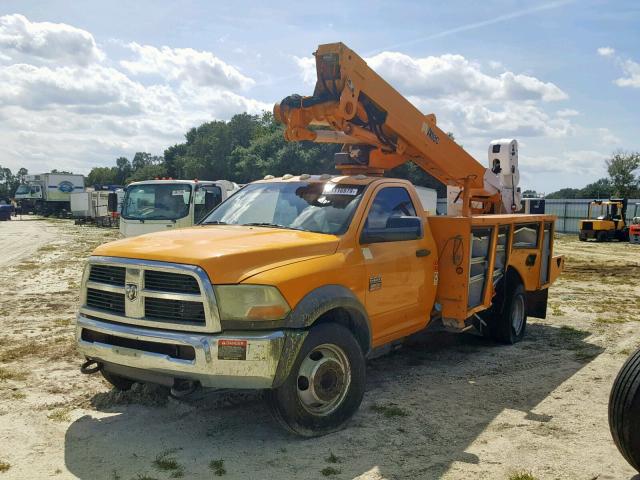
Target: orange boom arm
[380, 129]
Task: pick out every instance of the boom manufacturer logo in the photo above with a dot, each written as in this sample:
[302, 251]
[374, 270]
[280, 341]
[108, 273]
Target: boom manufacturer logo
[65, 187]
[426, 129]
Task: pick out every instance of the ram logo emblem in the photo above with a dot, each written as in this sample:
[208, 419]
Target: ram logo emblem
[131, 290]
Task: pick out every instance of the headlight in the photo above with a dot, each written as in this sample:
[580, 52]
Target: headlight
[250, 302]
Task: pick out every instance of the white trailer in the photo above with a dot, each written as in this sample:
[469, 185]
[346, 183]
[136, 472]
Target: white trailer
[48, 193]
[157, 205]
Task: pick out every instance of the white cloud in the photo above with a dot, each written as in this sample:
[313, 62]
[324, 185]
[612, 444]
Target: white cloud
[631, 70]
[606, 51]
[307, 66]
[567, 112]
[454, 75]
[202, 68]
[606, 136]
[44, 41]
[64, 104]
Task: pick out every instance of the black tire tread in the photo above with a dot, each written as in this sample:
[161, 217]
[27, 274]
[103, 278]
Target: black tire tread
[625, 395]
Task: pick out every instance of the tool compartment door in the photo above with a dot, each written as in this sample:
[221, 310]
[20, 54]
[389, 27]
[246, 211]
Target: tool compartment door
[526, 252]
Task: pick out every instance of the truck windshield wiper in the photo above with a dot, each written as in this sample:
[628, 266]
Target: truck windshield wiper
[215, 222]
[271, 225]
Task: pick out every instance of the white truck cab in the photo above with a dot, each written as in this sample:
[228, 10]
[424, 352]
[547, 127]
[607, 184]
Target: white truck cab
[158, 205]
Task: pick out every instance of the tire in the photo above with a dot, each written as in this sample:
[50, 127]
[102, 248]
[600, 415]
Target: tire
[503, 327]
[601, 237]
[624, 410]
[325, 386]
[120, 383]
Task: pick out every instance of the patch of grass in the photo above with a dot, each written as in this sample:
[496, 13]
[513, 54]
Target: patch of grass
[115, 475]
[18, 395]
[19, 352]
[217, 466]
[569, 330]
[389, 411]
[4, 466]
[522, 476]
[606, 320]
[25, 266]
[11, 375]
[60, 415]
[142, 476]
[329, 471]
[332, 458]
[166, 463]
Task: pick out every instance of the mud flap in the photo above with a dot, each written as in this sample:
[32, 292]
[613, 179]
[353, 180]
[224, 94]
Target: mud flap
[537, 303]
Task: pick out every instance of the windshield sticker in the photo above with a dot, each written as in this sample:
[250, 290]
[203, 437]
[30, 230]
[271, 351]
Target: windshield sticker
[177, 192]
[335, 190]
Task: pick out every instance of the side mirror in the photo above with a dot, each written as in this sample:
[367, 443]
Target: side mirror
[396, 230]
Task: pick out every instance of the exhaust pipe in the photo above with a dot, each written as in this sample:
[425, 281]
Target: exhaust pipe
[91, 366]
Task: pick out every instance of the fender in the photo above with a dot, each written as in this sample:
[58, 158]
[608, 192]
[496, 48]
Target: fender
[309, 310]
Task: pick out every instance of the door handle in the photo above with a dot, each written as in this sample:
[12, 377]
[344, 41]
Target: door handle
[423, 252]
[531, 260]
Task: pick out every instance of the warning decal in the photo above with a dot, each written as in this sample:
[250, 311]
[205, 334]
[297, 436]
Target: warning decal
[232, 349]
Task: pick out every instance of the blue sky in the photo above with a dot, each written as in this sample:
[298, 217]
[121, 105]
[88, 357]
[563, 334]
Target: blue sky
[91, 81]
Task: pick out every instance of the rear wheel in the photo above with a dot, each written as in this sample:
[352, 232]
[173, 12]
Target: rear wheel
[325, 386]
[120, 383]
[624, 410]
[508, 324]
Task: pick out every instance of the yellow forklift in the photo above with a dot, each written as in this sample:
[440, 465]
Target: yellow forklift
[606, 221]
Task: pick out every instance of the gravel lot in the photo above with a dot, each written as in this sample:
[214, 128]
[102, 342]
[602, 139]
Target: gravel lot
[445, 406]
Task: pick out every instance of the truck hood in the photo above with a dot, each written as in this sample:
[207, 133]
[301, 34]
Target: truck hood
[228, 253]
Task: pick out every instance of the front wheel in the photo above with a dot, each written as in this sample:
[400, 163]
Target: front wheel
[120, 383]
[325, 386]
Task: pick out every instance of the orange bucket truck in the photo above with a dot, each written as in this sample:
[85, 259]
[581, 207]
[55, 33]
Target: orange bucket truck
[293, 282]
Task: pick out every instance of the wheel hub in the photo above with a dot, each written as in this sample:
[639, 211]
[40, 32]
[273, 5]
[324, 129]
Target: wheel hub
[324, 377]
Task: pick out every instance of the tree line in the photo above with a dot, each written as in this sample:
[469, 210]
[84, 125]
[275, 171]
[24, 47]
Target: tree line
[248, 147]
[622, 180]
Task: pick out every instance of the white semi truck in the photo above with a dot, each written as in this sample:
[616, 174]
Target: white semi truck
[48, 193]
[158, 205]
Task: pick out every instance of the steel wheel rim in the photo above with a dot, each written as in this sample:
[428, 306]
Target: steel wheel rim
[323, 379]
[517, 314]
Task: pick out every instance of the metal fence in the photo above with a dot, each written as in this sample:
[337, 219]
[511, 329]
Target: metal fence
[568, 211]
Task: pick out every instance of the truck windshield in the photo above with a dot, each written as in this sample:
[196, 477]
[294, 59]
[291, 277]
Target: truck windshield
[157, 201]
[22, 190]
[311, 206]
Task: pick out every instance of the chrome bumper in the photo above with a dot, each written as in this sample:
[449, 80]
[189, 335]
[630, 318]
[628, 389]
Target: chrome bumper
[263, 352]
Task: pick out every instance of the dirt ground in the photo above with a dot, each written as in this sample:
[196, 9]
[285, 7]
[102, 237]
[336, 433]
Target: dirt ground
[448, 406]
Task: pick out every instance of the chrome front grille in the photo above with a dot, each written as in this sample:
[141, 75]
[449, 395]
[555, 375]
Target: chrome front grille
[165, 309]
[170, 282]
[108, 301]
[149, 293]
[108, 274]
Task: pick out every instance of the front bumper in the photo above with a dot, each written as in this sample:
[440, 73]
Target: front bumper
[210, 366]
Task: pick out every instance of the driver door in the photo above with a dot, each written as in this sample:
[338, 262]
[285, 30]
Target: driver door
[396, 294]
